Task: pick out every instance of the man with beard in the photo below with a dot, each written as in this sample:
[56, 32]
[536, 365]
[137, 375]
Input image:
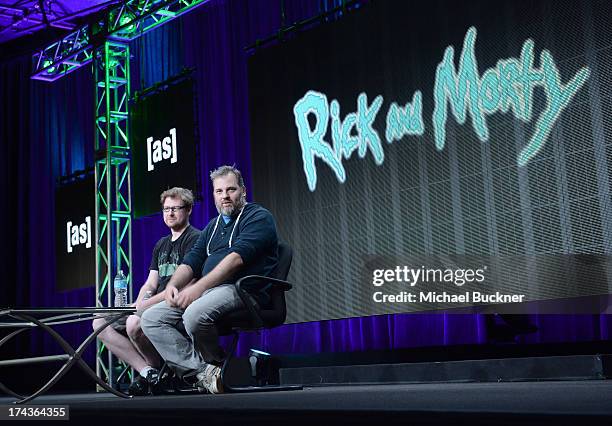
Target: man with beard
[241, 241]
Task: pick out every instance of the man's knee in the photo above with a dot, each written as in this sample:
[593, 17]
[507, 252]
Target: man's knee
[132, 326]
[99, 323]
[147, 320]
[197, 322]
[153, 317]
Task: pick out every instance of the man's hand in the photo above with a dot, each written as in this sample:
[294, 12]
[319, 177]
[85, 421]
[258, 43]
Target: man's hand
[187, 296]
[141, 305]
[147, 303]
[170, 295]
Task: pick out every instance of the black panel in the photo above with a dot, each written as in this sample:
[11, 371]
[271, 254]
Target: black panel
[75, 235]
[163, 145]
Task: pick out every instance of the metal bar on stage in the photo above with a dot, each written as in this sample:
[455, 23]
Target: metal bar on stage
[35, 360]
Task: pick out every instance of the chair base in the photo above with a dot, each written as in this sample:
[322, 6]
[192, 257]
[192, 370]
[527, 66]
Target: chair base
[247, 389]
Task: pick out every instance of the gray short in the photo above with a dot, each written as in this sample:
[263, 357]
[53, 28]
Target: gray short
[120, 324]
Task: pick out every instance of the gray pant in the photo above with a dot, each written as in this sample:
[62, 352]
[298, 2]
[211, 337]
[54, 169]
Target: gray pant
[188, 338]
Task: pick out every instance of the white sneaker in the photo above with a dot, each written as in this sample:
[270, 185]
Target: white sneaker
[209, 379]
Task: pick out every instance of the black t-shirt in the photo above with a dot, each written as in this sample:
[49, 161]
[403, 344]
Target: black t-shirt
[168, 254]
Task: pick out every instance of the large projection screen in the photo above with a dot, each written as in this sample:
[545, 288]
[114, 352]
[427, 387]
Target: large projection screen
[468, 138]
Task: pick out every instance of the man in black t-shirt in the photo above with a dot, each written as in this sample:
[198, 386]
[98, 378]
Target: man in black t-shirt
[125, 338]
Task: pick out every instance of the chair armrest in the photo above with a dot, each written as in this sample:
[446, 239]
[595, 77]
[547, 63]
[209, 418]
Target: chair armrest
[282, 284]
[248, 302]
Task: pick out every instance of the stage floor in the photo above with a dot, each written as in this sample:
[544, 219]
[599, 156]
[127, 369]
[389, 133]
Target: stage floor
[565, 402]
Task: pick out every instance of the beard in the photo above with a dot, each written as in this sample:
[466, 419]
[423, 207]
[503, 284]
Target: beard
[176, 224]
[233, 209]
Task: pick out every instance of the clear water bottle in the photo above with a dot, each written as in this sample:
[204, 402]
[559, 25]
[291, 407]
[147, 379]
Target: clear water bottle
[121, 287]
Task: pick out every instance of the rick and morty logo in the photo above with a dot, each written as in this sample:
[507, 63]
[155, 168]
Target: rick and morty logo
[506, 87]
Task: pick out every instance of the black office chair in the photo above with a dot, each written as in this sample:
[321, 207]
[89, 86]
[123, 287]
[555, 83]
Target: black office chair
[254, 318]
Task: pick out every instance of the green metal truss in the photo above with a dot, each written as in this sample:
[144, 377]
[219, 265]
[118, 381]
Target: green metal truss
[111, 64]
[125, 22]
[134, 18]
[63, 56]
